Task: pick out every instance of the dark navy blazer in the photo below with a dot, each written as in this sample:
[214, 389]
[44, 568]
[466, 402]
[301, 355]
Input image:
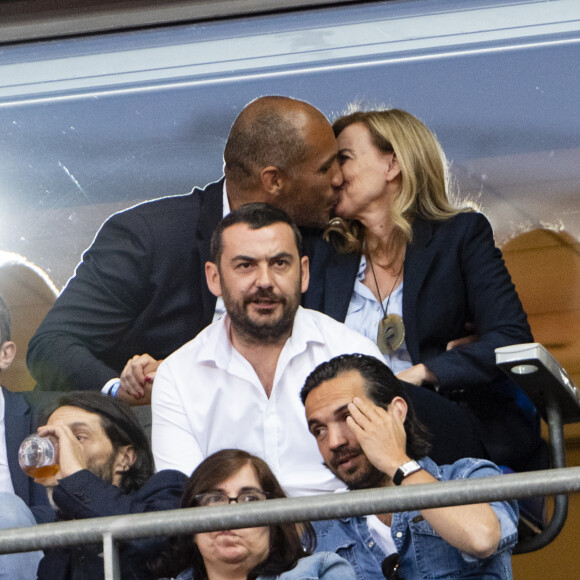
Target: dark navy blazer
[140, 288]
[453, 274]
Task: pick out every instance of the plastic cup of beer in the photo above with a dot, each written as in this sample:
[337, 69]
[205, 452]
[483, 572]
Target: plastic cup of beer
[37, 456]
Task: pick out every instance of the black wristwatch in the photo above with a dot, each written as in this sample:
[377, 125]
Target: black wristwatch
[405, 470]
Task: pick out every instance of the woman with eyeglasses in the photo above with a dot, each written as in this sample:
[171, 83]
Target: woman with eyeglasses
[266, 552]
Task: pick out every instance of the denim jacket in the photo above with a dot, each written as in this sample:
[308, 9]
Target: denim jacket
[422, 552]
[323, 566]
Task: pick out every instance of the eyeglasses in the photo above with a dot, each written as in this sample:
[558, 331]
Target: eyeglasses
[218, 498]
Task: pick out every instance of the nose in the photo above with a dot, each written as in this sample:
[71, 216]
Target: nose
[336, 437]
[337, 177]
[264, 277]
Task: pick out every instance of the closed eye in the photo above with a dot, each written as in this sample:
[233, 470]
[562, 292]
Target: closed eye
[326, 167]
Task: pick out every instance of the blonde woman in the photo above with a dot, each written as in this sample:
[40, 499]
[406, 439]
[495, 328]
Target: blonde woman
[416, 273]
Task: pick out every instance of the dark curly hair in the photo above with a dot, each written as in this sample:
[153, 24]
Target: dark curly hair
[256, 215]
[381, 387]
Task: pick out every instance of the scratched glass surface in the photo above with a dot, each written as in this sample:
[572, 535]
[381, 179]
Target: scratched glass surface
[93, 125]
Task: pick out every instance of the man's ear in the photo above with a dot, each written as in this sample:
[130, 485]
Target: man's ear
[125, 459]
[273, 182]
[7, 354]
[305, 264]
[212, 276]
[398, 406]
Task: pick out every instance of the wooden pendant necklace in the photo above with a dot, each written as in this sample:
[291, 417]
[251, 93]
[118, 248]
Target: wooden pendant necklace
[391, 334]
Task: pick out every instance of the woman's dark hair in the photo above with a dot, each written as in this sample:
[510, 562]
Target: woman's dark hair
[381, 386]
[121, 427]
[286, 545]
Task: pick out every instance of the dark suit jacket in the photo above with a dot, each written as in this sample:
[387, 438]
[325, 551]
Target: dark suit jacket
[140, 288]
[453, 274]
[84, 495]
[18, 425]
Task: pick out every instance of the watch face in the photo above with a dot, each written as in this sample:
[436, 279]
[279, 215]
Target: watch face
[410, 467]
[405, 470]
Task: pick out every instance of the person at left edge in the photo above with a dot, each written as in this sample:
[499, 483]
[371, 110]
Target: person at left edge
[22, 502]
[105, 468]
[140, 288]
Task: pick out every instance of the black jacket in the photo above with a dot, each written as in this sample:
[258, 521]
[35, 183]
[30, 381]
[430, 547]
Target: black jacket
[140, 288]
[84, 495]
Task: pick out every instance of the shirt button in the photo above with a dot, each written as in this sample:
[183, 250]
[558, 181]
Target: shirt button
[371, 544]
[399, 534]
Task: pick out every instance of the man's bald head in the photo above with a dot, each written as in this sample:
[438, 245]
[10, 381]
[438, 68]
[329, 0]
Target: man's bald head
[282, 151]
[267, 132]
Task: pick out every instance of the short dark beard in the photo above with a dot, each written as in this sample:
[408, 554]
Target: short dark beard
[362, 478]
[264, 332]
[105, 471]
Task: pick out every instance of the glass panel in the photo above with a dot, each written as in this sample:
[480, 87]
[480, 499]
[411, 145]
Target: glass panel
[92, 125]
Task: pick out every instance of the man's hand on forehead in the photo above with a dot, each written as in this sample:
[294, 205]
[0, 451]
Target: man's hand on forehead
[380, 433]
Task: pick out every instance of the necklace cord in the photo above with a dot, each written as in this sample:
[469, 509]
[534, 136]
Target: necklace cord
[385, 310]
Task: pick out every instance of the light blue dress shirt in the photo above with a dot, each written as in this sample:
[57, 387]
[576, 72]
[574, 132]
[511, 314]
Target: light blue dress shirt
[320, 566]
[365, 313]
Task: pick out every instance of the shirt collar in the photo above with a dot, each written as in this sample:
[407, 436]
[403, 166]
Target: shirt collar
[226, 202]
[304, 331]
[360, 275]
[218, 346]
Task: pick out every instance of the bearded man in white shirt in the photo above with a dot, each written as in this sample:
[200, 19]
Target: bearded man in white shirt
[237, 384]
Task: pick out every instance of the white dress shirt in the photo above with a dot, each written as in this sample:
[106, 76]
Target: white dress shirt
[365, 313]
[207, 397]
[220, 307]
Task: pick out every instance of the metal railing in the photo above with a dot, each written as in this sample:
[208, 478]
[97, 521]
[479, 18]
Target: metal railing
[110, 530]
[548, 385]
[558, 455]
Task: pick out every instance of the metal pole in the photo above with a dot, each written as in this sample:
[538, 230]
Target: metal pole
[558, 456]
[320, 507]
[111, 556]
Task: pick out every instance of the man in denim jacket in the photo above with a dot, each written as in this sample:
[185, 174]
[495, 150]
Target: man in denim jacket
[369, 437]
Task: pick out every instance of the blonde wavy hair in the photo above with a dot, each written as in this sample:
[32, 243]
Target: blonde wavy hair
[425, 183]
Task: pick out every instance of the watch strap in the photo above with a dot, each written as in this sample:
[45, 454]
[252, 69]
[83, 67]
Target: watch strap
[405, 470]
